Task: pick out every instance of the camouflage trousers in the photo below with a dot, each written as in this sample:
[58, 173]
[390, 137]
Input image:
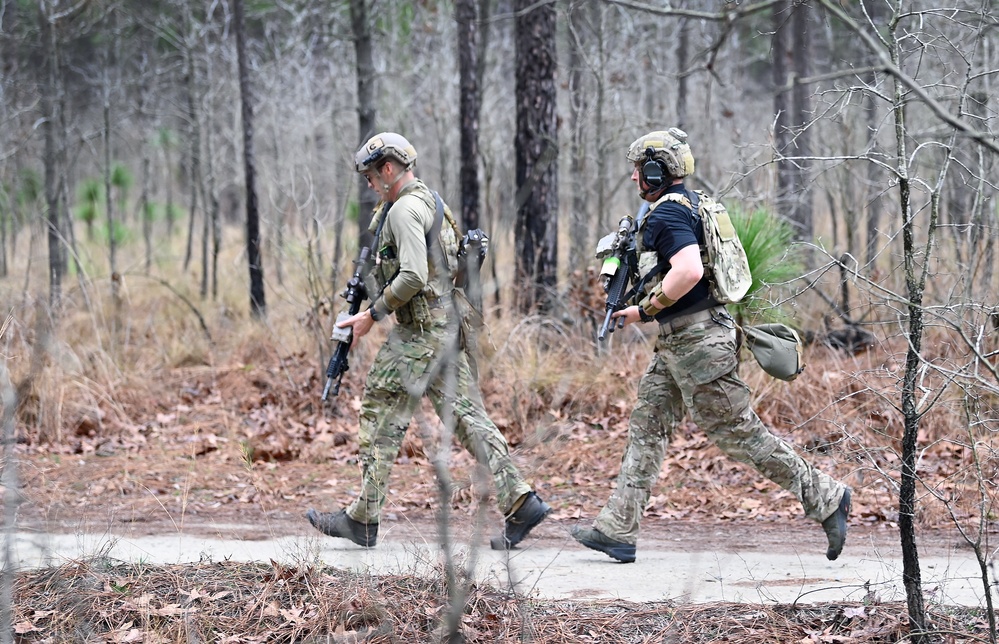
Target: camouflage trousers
[694, 369]
[416, 361]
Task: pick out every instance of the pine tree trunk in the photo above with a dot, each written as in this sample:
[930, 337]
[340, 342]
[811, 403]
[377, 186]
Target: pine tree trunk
[49, 100]
[579, 214]
[536, 151]
[470, 103]
[193, 132]
[257, 304]
[801, 213]
[365, 108]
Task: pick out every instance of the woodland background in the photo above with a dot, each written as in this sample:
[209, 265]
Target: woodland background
[178, 212]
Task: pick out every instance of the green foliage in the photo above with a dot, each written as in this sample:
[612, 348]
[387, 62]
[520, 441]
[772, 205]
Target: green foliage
[172, 212]
[31, 187]
[166, 138]
[150, 211]
[91, 191]
[91, 198]
[353, 211]
[5, 209]
[122, 234]
[772, 260]
[4, 196]
[402, 19]
[260, 6]
[121, 178]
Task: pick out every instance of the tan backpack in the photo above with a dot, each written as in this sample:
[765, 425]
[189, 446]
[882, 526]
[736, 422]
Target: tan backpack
[723, 256]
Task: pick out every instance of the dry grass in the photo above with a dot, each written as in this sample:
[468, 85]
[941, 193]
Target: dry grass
[162, 419]
[102, 600]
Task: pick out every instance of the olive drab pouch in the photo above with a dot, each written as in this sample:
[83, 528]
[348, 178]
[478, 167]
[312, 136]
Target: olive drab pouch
[471, 250]
[777, 348]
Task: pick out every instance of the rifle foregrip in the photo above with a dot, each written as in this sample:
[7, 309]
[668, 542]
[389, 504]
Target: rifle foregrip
[335, 370]
[615, 296]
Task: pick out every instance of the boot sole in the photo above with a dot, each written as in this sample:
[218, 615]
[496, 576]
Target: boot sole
[624, 554]
[501, 543]
[368, 542]
[848, 502]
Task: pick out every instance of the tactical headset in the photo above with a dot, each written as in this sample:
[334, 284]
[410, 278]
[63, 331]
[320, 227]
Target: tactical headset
[653, 171]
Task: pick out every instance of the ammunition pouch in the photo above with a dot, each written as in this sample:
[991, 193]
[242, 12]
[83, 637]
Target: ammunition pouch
[423, 310]
[470, 318]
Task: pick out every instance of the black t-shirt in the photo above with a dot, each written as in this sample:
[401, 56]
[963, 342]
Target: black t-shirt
[671, 227]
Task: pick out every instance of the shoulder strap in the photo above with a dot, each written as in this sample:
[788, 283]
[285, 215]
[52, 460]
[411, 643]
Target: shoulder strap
[695, 204]
[435, 229]
[377, 238]
[672, 196]
[434, 234]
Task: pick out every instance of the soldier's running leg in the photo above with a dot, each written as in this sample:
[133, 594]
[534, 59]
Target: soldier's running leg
[719, 402]
[455, 395]
[392, 391]
[650, 428]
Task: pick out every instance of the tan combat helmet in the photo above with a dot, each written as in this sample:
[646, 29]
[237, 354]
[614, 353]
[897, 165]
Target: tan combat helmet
[669, 147]
[384, 146]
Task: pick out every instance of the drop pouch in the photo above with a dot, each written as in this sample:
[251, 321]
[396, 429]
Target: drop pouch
[777, 348]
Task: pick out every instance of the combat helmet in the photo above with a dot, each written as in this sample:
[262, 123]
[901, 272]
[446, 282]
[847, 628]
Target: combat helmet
[384, 146]
[662, 154]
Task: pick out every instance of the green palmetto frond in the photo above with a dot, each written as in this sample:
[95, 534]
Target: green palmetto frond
[773, 260]
[91, 196]
[121, 178]
[31, 187]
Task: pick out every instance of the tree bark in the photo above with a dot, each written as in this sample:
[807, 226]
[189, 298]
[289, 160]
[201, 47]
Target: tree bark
[49, 100]
[782, 105]
[579, 215]
[536, 151]
[193, 130]
[682, 61]
[365, 108]
[801, 213]
[258, 306]
[911, 577]
[470, 102]
[6, 69]
[875, 177]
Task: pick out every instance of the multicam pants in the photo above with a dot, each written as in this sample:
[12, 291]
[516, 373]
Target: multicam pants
[694, 368]
[416, 361]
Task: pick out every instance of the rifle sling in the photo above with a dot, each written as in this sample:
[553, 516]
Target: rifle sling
[434, 235]
[638, 287]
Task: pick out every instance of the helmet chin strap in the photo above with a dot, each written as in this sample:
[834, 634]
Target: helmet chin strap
[387, 187]
[644, 194]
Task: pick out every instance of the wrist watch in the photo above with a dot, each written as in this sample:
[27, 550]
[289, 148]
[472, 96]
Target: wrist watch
[375, 315]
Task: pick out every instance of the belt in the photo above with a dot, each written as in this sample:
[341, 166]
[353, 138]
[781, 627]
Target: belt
[681, 321]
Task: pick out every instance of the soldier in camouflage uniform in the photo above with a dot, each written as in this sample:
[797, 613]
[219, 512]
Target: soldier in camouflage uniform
[414, 273]
[693, 368]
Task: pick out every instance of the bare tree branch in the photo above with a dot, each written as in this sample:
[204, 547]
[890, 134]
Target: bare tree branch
[985, 139]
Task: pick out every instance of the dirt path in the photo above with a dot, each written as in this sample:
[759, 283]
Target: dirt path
[689, 561]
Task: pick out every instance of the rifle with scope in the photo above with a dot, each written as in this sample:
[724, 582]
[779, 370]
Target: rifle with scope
[355, 294]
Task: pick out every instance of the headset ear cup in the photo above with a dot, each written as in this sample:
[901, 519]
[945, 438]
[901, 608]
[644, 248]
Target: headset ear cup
[653, 174]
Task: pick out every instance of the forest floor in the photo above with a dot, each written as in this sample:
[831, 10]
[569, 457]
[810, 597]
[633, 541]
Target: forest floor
[250, 447]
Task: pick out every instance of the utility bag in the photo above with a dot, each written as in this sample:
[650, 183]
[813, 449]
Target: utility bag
[467, 293]
[777, 348]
